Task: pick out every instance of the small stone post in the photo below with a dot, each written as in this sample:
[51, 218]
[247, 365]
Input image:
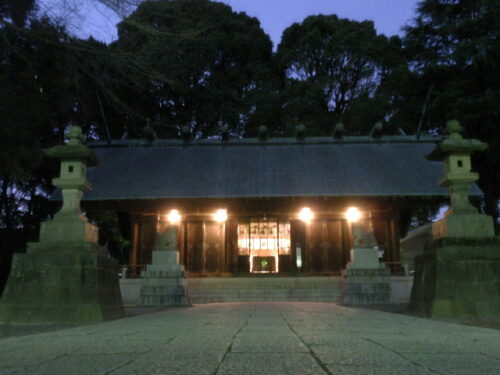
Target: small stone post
[463, 219]
[365, 281]
[66, 277]
[164, 281]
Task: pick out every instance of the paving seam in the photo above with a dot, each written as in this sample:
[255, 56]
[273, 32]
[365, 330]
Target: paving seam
[311, 352]
[401, 355]
[43, 362]
[119, 367]
[140, 355]
[230, 347]
[490, 356]
[385, 347]
[51, 360]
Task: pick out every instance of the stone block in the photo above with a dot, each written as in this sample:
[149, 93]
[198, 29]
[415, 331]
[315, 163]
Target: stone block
[364, 258]
[68, 229]
[372, 273]
[131, 291]
[56, 285]
[459, 279]
[464, 226]
[152, 290]
[165, 258]
[366, 286]
[164, 281]
[163, 272]
[164, 300]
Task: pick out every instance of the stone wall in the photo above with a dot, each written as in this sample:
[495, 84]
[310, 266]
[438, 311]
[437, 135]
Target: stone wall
[459, 278]
[225, 289]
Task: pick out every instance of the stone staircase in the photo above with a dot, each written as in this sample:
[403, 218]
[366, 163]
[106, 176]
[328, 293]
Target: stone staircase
[257, 288]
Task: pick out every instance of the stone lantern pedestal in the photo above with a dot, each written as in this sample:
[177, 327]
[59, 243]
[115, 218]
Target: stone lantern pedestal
[164, 281]
[66, 277]
[459, 276]
[365, 281]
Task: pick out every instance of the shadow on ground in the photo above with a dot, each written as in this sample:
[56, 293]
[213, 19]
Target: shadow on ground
[7, 330]
[402, 309]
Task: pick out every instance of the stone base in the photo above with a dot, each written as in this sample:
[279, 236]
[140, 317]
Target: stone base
[366, 286]
[66, 228]
[58, 285]
[458, 279]
[364, 258]
[464, 226]
[165, 284]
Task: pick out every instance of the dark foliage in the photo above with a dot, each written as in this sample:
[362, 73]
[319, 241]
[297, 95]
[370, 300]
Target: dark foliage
[198, 63]
[193, 63]
[453, 48]
[334, 68]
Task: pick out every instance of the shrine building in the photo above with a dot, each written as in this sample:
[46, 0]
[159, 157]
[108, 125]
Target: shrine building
[264, 205]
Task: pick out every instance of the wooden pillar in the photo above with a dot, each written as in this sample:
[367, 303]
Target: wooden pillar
[135, 244]
[203, 247]
[394, 225]
[222, 244]
[181, 242]
[347, 242]
[298, 239]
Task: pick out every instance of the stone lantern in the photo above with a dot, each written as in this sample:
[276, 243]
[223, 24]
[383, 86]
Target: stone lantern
[66, 277]
[457, 276]
[69, 224]
[463, 219]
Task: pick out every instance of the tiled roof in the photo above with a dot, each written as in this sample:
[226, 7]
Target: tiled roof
[353, 166]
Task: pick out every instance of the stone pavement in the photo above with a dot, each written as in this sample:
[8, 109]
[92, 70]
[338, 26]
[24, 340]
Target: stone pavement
[257, 338]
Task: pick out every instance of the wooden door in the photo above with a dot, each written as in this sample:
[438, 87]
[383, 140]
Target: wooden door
[194, 247]
[205, 247]
[325, 249]
[214, 246]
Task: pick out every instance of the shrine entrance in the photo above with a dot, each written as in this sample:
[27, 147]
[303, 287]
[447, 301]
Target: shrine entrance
[264, 245]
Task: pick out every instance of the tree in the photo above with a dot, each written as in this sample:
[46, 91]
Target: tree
[331, 64]
[453, 47]
[193, 63]
[33, 98]
[16, 11]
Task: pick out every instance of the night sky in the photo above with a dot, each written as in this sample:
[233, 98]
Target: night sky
[275, 15]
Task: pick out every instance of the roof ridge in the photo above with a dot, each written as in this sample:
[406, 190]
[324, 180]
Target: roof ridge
[285, 141]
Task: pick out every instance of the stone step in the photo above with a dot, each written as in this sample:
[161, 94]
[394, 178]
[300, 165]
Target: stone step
[202, 300]
[308, 289]
[323, 293]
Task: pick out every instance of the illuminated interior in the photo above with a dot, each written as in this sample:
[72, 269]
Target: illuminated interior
[263, 240]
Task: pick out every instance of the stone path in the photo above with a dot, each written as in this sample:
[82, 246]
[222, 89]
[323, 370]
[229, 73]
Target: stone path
[258, 338]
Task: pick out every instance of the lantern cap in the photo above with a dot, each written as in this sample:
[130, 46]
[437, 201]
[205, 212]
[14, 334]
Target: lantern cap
[74, 149]
[455, 143]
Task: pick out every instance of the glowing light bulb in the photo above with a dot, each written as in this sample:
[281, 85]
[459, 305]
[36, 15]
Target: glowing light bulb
[352, 214]
[220, 216]
[306, 215]
[174, 217]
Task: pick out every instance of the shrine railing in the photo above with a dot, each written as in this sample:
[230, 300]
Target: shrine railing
[400, 268]
[131, 271]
